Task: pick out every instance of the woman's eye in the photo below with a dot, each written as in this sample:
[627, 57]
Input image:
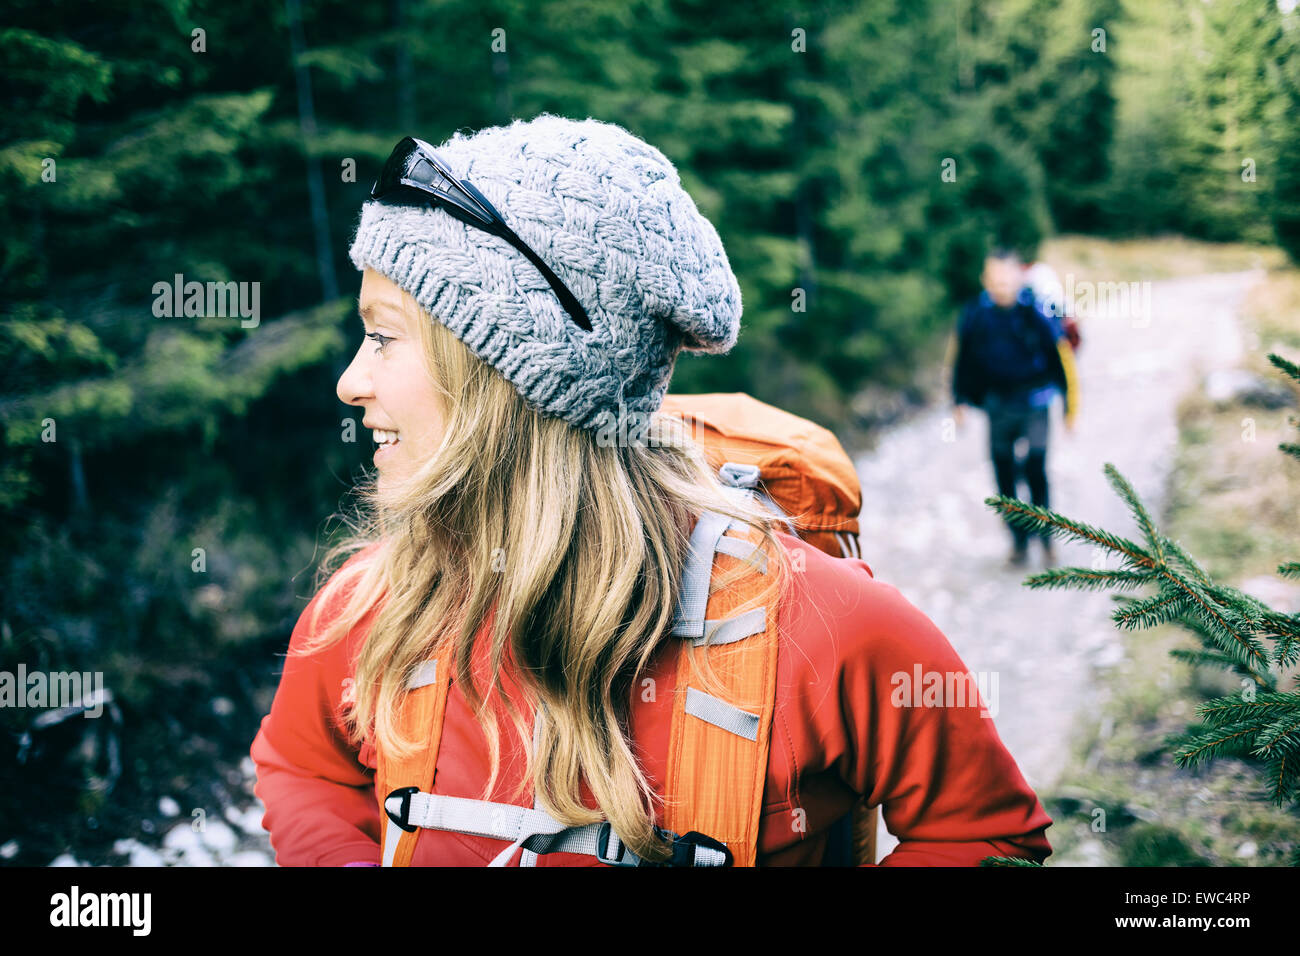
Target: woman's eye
[381, 339]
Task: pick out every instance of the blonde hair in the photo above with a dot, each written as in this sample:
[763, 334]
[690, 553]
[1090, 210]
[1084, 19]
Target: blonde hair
[580, 548]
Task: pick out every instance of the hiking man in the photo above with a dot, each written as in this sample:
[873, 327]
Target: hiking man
[1012, 361]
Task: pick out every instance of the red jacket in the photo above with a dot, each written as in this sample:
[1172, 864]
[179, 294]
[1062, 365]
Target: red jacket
[950, 791]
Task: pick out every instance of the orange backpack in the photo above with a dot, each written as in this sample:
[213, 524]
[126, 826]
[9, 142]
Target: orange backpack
[718, 750]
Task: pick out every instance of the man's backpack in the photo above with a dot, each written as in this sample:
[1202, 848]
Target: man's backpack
[718, 752]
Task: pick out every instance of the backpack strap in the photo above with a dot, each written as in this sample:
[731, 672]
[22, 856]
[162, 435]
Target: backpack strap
[1071, 398]
[718, 748]
[420, 717]
[536, 831]
[852, 840]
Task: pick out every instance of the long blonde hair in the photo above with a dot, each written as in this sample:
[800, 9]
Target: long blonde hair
[578, 545]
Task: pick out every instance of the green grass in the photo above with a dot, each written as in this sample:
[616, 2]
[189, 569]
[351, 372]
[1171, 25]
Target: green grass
[1163, 258]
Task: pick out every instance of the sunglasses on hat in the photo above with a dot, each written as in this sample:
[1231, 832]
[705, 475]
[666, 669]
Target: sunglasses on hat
[414, 172]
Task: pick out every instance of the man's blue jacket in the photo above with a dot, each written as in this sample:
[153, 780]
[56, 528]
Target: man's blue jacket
[1012, 352]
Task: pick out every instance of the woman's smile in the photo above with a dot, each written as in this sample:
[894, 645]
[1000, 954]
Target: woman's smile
[386, 440]
[384, 450]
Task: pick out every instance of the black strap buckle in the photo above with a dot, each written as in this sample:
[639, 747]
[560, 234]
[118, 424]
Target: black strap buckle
[400, 818]
[684, 848]
[624, 857]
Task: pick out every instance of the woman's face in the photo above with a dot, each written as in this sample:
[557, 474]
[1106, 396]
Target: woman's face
[388, 377]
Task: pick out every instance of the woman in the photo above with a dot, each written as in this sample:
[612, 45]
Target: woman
[506, 533]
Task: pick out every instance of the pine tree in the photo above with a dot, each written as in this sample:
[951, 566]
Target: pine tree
[1284, 205]
[1237, 632]
[1203, 136]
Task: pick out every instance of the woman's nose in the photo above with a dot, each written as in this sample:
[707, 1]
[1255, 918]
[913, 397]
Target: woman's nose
[354, 384]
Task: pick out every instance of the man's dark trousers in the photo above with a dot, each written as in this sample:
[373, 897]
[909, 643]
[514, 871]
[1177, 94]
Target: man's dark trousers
[1010, 418]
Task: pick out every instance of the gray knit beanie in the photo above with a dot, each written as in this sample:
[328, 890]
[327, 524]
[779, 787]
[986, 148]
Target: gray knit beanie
[607, 212]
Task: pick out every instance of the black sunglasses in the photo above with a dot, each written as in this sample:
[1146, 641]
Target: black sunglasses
[415, 172]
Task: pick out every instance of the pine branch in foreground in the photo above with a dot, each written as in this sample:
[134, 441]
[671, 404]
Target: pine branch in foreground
[1294, 371]
[1235, 630]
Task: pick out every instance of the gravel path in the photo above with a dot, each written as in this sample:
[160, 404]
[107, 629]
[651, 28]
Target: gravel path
[926, 530]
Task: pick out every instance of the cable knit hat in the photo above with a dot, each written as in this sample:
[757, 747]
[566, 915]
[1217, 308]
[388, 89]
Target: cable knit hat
[607, 212]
